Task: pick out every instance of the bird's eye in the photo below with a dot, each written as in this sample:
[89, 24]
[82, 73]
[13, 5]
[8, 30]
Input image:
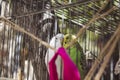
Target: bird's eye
[55, 38]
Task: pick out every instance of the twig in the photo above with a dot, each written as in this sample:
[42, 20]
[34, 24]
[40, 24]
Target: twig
[101, 54]
[107, 58]
[18, 28]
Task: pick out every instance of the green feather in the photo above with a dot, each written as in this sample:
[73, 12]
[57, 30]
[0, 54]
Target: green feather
[76, 54]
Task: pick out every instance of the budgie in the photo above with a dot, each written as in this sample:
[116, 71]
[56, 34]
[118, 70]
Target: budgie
[55, 42]
[76, 54]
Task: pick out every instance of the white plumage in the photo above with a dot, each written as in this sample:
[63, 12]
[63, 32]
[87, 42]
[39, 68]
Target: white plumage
[56, 43]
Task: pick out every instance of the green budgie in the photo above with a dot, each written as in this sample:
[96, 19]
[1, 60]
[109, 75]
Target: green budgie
[76, 54]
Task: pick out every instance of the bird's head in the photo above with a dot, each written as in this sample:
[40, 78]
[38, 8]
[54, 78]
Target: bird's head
[57, 40]
[60, 37]
[67, 39]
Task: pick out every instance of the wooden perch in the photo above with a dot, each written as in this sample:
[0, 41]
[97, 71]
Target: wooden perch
[18, 28]
[107, 57]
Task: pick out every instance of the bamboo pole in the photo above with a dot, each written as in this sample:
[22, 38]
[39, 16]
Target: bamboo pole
[100, 57]
[107, 58]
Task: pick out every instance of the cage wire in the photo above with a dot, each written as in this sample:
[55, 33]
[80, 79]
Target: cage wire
[22, 56]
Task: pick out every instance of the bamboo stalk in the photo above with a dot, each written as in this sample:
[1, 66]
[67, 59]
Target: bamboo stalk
[100, 57]
[106, 59]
